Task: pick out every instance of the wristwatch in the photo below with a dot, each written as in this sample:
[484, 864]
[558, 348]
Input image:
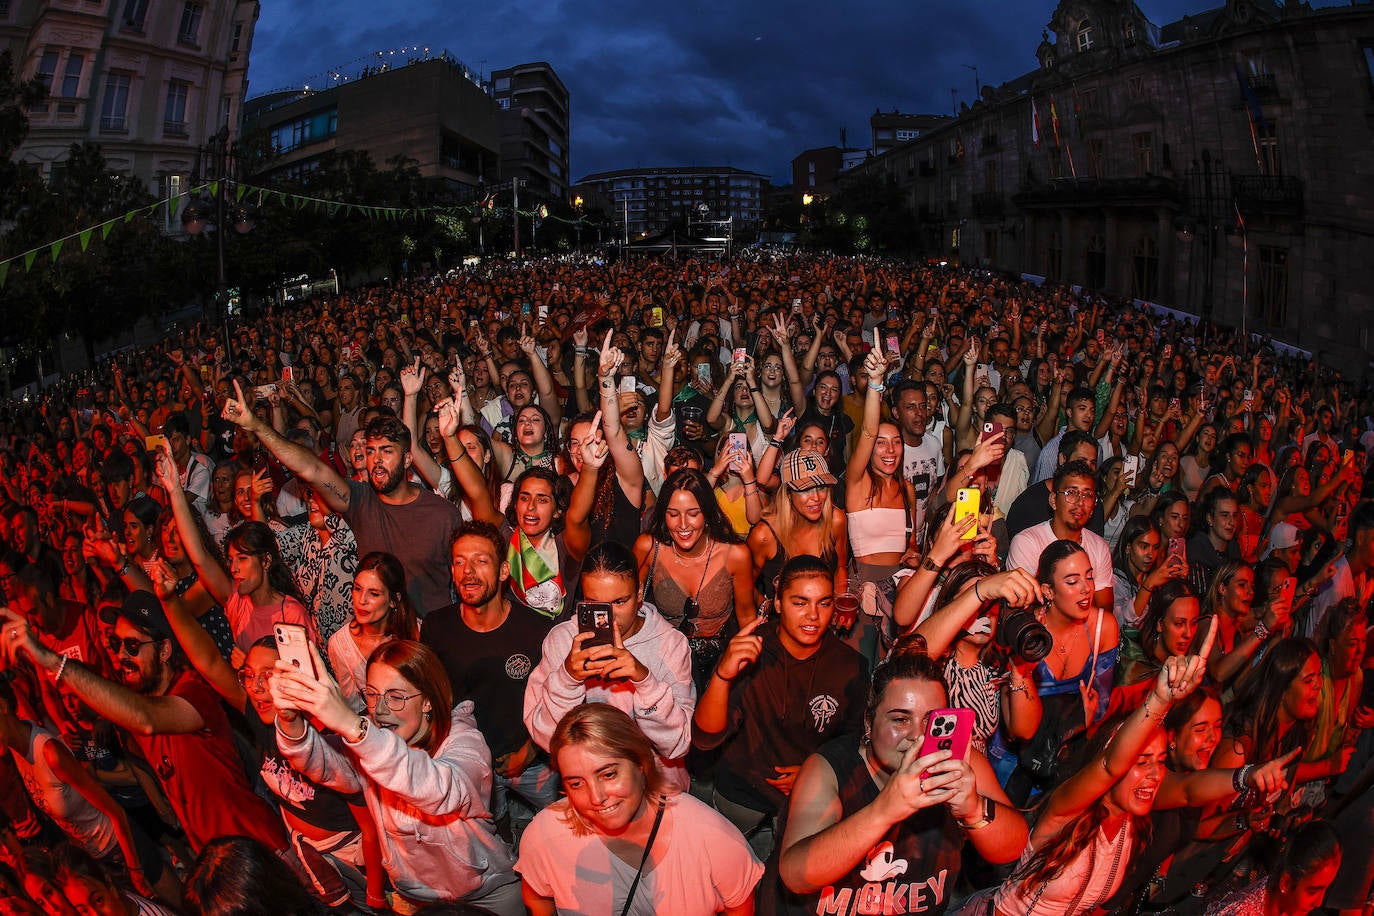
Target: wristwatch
[363, 723]
[989, 815]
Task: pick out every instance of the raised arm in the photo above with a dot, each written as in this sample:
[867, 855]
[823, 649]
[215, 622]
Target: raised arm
[412, 383]
[629, 470]
[543, 381]
[577, 529]
[212, 574]
[299, 460]
[1016, 588]
[782, 333]
[465, 471]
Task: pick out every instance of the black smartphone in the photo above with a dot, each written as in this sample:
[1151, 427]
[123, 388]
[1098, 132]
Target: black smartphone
[595, 617]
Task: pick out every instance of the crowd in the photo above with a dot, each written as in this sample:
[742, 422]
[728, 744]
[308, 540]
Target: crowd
[787, 584]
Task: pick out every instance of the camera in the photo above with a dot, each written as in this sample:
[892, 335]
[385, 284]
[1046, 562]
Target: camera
[1019, 631]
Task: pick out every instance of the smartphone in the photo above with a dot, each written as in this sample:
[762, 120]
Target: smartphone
[627, 385]
[263, 392]
[1177, 548]
[796, 306]
[739, 442]
[1288, 589]
[1175, 404]
[293, 645]
[1101, 338]
[656, 317]
[288, 373]
[543, 312]
[948, 730]
[154, 443]
[738, 355]
[966, 506]
[892, 345]
[991, 430]
[1130, 466]
[704, 372]
[1248, 396]
[595, 617]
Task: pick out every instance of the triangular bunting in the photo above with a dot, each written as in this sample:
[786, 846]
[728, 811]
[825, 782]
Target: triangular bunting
[28, 260]
[105, 228]
[239, 191]
[85, 239]
[4, 271]
[56, 249]
[214, 188]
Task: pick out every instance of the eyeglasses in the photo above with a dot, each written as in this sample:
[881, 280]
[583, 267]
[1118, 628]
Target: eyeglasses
[1079, 496]
[258, 681]
[130, 645]
[394, 698]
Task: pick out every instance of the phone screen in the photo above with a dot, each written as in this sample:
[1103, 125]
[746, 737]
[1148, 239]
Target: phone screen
[595, 617]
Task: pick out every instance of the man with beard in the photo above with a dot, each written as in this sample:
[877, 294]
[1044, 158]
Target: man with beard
[1072, 497]
[489, 644]
[923, 456]
[389, 513]
[172, 714]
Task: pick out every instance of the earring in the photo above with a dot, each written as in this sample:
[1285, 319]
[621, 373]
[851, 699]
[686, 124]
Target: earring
[429, 714]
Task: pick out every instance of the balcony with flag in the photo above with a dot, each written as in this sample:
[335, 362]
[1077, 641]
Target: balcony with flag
[1149, 192]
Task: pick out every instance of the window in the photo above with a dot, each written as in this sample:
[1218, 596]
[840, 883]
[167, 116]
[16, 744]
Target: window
[171, 189]
[237, 39]
[1054, 162]
[1135, 87]
[1095, 263]
[1128, 33]
[1145, 269]
[1088, 99]
[135, 12]
[47, 68]
[189, 32]
[174, 114]
[1267, 138]
[114, 106]
[504, 103]
[71, 77]
[1271, 295]
[990, 246]
[953, 190]
[1054, 256]
[954, 238]
[1096, 157]
[1085, 35]
[1143, 144]
[226, 105]
[990, 177]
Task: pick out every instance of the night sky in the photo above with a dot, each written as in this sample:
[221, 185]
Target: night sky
[748, 83]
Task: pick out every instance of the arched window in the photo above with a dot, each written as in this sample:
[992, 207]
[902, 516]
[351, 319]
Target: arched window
[1085, 35]
[1145, 269]
[1128, 33]
[1054, 256]
[1095, 263]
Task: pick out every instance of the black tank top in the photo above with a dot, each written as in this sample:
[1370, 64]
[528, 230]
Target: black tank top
[911, 870]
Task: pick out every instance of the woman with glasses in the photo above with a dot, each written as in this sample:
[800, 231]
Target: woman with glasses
[420, 763]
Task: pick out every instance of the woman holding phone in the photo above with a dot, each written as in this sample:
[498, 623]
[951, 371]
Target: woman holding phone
[421, 765]
[381, 611]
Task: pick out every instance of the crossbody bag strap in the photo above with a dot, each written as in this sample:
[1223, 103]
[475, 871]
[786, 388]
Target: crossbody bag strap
[648, 847]
[649, 578]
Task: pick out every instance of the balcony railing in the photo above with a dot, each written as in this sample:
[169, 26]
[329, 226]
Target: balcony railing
[1076, 193]
[174, 128]
[1263, 84]
[1272, 196]
[113, 123]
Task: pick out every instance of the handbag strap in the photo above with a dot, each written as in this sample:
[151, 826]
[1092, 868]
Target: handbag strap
[649, 579]
[648, 847]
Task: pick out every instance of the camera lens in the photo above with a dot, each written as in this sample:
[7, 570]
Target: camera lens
[1019, 631]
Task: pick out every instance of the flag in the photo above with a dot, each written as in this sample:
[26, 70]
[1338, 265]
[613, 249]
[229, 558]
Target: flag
[1252, 101]
[534, 583]
[1035, 124]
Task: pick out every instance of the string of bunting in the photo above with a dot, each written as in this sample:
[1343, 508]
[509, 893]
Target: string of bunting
[263, 196]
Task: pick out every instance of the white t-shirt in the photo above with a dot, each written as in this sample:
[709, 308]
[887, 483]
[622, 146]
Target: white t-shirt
[1026, 548]
[702, 864]
[924, 466]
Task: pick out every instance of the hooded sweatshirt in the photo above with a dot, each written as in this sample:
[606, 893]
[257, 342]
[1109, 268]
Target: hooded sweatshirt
[438, 840]
[661, 704]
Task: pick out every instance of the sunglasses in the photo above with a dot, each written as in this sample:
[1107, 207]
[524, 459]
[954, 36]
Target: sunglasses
[130, 645]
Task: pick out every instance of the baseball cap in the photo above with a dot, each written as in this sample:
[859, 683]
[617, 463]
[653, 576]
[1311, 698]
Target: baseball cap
[1283, 536]
[805, 469]
[143, 610]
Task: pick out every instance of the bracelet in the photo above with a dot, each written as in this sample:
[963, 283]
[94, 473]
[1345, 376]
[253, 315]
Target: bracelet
[454, 459]
[750, 483]
[775, 443]
[874, 386]
[1144, 590]
[1145, 705]
[717, 673]
[1017, 688]
[580, 351]
[975, 590]
[123, 568]
[928, 563]
[1239, 776]
[755, 390]
[1261, 631]
[61, 668]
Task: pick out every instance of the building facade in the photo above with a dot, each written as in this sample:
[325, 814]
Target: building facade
[149, 80]
[894, 128]
[535, 128]
[436, 112]
[1222, 165]
[815, 172]
[647, 201]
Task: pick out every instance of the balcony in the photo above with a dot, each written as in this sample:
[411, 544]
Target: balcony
[1083, 193]
[113, 124]
[1263, 84]
[174, 129]
[1268, 196]
[989, 204]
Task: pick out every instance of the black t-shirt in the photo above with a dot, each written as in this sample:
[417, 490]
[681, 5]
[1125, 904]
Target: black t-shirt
[313, 803]
[490, 668]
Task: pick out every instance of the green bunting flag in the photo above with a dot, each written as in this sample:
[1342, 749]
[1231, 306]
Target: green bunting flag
[4, 271]
[28, 260]
[85, 239]
[239, 191]
[105, 228]
[214, 188]
[56, 249]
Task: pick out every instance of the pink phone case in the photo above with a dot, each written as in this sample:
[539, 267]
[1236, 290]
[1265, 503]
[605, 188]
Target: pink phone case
[948, 730]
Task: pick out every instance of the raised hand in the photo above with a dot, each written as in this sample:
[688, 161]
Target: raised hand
[786, 423]
[610, 357]
[449, 419]
[742, 651]
[595, 450]
[413, 378]
[165, 469]
[527, 341]
[237, 409]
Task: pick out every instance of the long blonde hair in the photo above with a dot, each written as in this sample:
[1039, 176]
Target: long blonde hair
[786, 520]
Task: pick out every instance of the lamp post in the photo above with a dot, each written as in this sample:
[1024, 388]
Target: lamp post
[201, 214]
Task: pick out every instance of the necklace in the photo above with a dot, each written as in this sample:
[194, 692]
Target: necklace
[687, 557]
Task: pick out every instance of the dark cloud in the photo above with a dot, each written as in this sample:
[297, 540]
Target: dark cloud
[694, 82]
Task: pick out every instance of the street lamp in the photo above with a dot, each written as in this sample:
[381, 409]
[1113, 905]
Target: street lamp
[203, 213]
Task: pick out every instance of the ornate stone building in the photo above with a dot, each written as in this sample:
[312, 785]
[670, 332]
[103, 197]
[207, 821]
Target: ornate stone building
[1222, 165]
